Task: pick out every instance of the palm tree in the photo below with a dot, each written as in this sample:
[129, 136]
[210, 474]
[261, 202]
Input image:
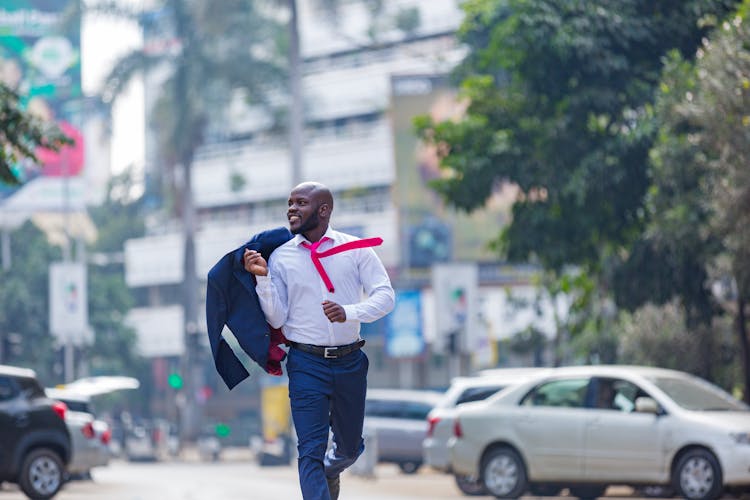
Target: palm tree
[204, 51]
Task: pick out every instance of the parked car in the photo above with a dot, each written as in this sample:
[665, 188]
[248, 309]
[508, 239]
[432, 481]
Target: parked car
[34, 440]
[590, 427]
[441, 418]
[90, 437]
[398, 419]
[140, 443]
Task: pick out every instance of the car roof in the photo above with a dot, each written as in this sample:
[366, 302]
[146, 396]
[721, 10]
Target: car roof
[416, 395]
[522, 371]
[617, 371]
[15, 371]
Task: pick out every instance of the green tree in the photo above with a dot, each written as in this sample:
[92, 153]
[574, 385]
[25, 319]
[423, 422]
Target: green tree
[24, 305]
[20, 134]
[721, 111]
[557, 91]
[670, 257]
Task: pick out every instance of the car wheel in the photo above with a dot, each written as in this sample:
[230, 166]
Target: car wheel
[544, 489]
[469, 486]
[588, 492]
[697, 475]
[409, 467]
[41, 474]
[504, 474]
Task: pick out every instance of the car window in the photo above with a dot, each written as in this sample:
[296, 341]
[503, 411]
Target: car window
[568, 393]
[695, 394]
[397, 409]
[478, 393]
[616, 394]
[382, 408]
[415, 411]
[7, 389]
[31, 387]
[75, 405]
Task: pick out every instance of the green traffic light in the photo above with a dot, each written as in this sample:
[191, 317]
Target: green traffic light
[223, 430]
[175, 381]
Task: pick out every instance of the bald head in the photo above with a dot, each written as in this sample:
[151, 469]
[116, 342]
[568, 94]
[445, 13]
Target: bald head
[317, 192]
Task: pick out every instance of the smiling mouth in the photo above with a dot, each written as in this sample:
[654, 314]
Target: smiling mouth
[293, 219]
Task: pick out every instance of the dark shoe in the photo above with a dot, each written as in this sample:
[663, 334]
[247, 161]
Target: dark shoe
[334, 484]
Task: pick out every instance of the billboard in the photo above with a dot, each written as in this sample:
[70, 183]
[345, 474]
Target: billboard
[431, 231]
[40, 58]
[404, 337]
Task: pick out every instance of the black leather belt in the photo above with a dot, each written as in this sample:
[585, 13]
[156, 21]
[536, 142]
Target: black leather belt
[329, 352]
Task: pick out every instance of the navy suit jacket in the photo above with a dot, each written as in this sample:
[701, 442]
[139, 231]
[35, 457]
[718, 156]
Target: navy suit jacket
[231, 300]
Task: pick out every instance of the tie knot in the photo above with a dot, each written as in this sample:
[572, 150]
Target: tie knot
[314, 246]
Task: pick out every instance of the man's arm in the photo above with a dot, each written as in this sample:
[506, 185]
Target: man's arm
[270, 287]
[377, 285]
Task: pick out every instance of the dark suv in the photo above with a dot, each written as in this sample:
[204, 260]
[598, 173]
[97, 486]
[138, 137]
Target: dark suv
[34, 440]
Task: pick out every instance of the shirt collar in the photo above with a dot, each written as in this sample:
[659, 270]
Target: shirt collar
[330, 233]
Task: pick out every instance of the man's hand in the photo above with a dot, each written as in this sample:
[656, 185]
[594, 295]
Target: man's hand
[334, 311]
[255, 263]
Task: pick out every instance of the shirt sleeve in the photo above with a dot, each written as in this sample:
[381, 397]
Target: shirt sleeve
[271, 290]
[377, 286]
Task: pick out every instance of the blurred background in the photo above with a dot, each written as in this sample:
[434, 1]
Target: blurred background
[556, 183]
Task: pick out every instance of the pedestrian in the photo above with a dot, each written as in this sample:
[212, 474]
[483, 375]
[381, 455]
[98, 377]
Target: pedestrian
[312, 288]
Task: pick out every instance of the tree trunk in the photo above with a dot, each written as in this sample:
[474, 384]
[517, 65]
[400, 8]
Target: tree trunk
[742, 337]
[296, 106]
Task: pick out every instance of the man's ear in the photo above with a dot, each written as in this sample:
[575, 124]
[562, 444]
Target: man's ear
[324, 210]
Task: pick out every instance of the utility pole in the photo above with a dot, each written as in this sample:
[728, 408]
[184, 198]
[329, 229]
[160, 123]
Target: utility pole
[296, 106]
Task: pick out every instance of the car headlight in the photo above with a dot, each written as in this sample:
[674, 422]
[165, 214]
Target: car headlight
[741, 437]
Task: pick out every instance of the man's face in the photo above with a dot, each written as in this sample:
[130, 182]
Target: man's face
[302, 212]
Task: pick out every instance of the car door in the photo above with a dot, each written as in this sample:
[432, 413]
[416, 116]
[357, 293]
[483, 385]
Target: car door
[9, 414]
[400, 427]
[550, 429]
[622, 444]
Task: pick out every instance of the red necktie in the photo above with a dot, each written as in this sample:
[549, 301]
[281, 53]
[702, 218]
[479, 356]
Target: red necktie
[349, 245]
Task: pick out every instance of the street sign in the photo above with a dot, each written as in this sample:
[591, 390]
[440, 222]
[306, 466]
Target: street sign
[68, 300]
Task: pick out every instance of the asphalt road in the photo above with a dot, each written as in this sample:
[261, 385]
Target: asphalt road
[239, 478]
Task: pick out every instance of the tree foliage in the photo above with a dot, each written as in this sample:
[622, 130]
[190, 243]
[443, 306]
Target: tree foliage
[20, 134]
[555, 90]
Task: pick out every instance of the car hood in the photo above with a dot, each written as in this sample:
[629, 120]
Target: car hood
[738, 421]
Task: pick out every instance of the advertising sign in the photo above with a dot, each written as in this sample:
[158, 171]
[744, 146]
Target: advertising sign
[40, 58]
[68, 300]
[404, 337]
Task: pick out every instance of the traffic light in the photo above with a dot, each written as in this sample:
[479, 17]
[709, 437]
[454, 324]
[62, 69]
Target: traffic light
[175, 381]
[222, 430]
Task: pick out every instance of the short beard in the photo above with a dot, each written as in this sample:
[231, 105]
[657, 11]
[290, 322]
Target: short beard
[311, 223]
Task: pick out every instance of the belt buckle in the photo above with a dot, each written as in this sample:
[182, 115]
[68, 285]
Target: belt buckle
[329, 356]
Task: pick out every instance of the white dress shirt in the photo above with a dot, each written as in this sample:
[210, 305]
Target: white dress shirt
[292, 294]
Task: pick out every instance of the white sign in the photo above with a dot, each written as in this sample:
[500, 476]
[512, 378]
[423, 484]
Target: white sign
[159, 330]
[68, 300]
[455, 286]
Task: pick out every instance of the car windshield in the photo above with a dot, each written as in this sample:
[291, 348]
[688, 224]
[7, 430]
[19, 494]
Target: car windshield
[697, 395]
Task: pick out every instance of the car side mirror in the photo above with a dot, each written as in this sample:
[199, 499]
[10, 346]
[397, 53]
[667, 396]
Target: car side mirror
[647, 405]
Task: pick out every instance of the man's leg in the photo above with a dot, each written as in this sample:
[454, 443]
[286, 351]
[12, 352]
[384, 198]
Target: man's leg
[347, 412]
[309, 392]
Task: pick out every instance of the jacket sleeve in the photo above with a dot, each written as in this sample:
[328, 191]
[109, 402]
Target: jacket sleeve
[226, 362]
